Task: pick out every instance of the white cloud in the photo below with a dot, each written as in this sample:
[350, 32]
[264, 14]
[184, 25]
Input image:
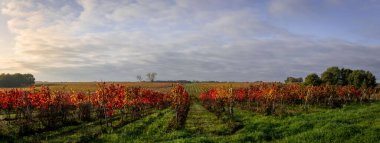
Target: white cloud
[289, 7]
[203, 40]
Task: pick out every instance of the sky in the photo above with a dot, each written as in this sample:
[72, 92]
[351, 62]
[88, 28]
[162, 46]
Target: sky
[225, 40]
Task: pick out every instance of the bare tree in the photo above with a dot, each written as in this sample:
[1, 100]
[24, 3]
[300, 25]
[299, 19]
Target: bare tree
[139, 77]
[151, 76]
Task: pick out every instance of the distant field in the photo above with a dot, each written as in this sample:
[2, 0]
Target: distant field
[161, 86]
[92, 86]
[354, 122]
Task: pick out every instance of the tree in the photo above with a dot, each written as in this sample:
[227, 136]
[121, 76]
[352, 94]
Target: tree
[362, 79]
[16, 80]
[151, 76]
[371, 79]
[357, 78]
[139, 78]
[344, 73]
[313, 79]
[331, 76]
[293, 80]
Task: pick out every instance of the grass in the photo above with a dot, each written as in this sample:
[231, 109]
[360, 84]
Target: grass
[134, 131]
[204, 123]
[351, 123]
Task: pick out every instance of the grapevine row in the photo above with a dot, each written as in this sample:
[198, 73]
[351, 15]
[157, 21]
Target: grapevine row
[54, 108]
[271, 97]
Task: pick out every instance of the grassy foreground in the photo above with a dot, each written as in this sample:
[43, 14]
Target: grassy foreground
[352, 123]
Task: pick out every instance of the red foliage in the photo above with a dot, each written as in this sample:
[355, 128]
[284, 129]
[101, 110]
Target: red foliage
[267, 93]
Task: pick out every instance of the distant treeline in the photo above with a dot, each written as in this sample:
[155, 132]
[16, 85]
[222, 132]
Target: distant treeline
[193, 81]
[16, 80]
[338, 76]
[176, 81]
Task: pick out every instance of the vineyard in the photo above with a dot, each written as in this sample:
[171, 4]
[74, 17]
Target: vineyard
[201, 112]
[274, 98]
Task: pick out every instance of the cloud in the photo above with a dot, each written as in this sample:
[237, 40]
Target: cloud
[290, 7]
[89, 40]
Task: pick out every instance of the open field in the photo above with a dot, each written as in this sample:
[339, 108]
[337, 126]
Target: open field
[354, 122]
[92, 86]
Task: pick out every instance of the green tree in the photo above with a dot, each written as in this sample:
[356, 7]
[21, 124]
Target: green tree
[29, 79]
[362, 79]
[16, 80]
[344, 73]
[356, 78]
[293, 80]
[312, 79]
[331, 76]
[371, 79]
